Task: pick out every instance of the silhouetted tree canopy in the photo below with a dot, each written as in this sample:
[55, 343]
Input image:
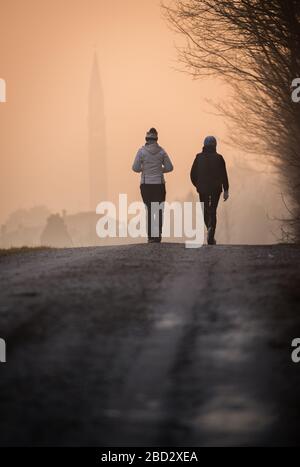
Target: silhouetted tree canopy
[254, 45]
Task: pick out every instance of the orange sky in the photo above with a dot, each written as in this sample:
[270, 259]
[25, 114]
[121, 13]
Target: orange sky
[46, 50]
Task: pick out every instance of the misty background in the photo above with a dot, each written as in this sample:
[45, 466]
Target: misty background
[85, 80]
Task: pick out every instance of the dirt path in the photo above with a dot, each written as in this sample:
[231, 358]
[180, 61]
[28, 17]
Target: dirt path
[150, 345]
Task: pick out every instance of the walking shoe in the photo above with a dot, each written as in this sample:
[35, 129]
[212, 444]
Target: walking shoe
[211, 236]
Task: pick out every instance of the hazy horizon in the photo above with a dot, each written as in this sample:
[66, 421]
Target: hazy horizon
[47, 51]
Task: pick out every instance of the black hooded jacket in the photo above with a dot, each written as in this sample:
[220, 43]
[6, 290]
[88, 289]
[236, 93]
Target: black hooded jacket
[209, 174]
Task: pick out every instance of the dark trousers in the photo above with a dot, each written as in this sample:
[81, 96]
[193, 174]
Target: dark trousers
[211, 202]
[153, 194]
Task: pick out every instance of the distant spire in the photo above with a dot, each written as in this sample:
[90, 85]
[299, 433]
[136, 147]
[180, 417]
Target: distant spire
[97, 139]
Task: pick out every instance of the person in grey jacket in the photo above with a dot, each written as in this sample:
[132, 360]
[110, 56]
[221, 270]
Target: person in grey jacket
[153, 162]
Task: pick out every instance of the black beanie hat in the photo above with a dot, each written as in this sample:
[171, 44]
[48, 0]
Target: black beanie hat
[152, 134]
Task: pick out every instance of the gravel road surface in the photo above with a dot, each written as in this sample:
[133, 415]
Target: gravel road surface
[150, 345]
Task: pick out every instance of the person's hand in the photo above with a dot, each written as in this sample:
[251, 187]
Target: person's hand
[226, 195]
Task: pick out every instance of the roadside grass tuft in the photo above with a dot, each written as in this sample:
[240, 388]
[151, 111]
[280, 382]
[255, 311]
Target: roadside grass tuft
[23, 249]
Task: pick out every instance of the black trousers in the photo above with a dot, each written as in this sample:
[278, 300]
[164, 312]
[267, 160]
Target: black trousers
[154, 194]
[211, 202]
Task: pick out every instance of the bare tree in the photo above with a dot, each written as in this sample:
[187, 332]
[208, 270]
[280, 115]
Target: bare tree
[255, 46]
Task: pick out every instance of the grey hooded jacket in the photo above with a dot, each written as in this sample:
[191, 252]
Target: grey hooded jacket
[152, 161]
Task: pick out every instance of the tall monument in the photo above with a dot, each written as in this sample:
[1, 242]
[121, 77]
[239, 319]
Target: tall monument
[97, 139]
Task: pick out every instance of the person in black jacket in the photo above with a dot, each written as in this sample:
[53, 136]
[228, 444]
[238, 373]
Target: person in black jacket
[209, 176]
